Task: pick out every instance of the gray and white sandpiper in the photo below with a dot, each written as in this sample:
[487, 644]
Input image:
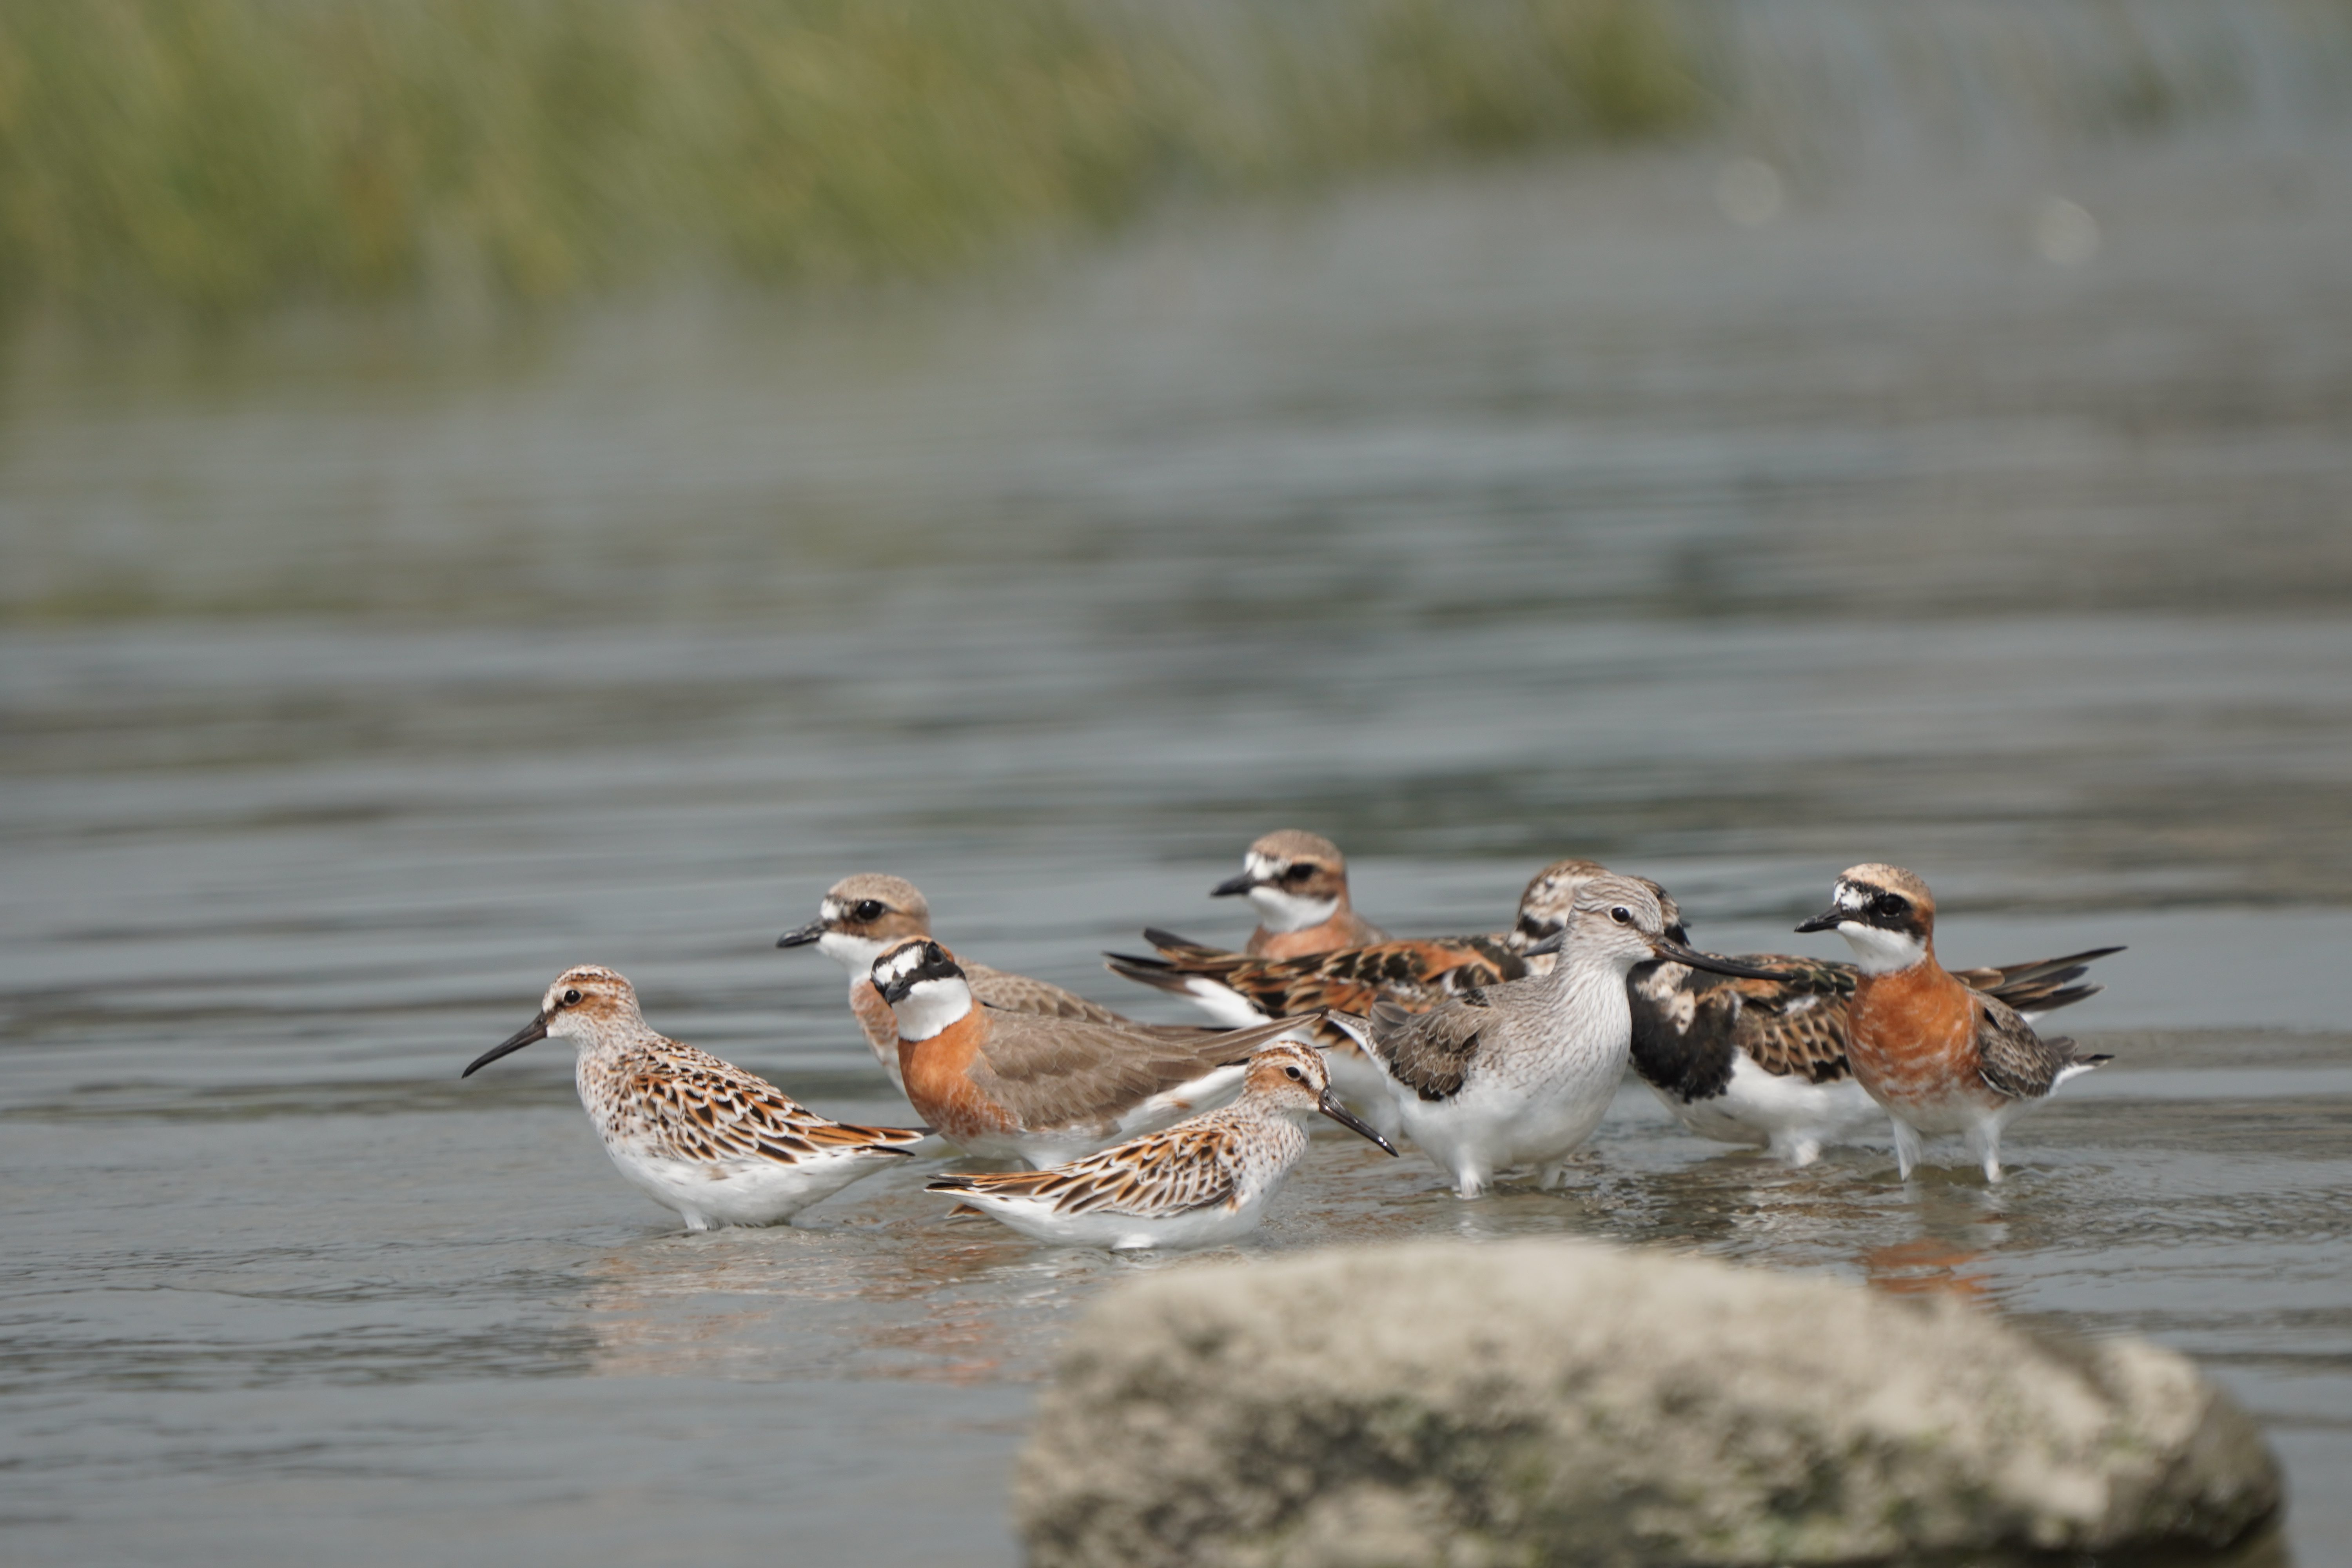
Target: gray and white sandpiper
[1414, 974]
[1516, 1076]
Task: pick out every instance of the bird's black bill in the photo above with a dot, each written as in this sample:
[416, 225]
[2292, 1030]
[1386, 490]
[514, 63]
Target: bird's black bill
[1233, 884]
[534, 1030]
[1668, 948]
[1551, 943]
[1828, 920]
[801, 936]
[1349, 1120]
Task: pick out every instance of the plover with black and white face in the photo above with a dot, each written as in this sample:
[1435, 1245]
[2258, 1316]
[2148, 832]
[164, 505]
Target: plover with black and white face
[1938, 1054]
[1299, 881]
[1516, 1076]
[1764, 1061]
[1205, 1180]
[715, 1144]
[1043, 1089]
[860, 916]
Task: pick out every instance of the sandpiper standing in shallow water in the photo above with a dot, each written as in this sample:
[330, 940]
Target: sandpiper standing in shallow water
[1028, 1087]
[1517, 1075]
[1204, 1180]
[1939, 1055]
[1415, 973]
[718, 1145]
[863, 915]
[1299, 883]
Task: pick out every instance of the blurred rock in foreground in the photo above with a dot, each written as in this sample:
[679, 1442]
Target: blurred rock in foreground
[1545, 1401]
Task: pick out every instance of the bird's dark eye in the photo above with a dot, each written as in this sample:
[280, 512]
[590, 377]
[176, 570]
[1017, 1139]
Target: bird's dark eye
[1295, 1073]
[570, 997]
[1889, 904]
[1622, 915]
[867, 909]
[1299, 873]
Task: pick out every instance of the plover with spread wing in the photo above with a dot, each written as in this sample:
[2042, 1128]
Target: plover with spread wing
[717, 1145]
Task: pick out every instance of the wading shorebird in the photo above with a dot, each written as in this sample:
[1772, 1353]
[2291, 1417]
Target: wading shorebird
[1763, 1062]
[1938, 1054]
[860, 916]
[1299, 883]
[1414, 974]
[1516, 1076]
[1030, 1087]
[715, 1144]
[1203, 1181]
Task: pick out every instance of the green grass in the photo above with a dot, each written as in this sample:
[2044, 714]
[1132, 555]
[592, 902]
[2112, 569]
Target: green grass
[217, 158]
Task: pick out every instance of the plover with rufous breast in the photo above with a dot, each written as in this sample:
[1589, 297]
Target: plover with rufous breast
[1938, 1055]
[1763, 1062]
[1298, 882]
[715, 1144]
[861, 915]
[1205, 1180]
[1043, 1089]
[1516, 1076]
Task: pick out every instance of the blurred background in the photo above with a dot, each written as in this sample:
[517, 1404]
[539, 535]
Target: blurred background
[493, 485]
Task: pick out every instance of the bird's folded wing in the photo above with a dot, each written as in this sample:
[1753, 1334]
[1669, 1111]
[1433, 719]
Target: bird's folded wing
[1170, 1172]
[1430, 1053]
[2017, 1061]
[1020, 993]
[1060, 1072]
[704, 1109]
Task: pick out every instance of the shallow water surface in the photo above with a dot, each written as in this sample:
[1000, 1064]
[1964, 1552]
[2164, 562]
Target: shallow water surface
[1473, 522]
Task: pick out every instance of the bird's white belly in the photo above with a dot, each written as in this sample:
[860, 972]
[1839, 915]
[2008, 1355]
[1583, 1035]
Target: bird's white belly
[1194, 1228]
[1499, 1122]
[1759, 1107]
[709, 1193]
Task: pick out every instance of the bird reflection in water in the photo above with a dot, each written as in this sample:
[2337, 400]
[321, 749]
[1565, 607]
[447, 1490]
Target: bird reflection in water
[1927, 1266]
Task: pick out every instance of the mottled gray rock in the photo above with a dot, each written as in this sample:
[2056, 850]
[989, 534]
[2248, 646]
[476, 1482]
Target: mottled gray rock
[1552, 1402]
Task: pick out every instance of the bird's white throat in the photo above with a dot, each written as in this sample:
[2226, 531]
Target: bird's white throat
[930, 1005]
[855, 954]
[1282, 911]
[1879, 951]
